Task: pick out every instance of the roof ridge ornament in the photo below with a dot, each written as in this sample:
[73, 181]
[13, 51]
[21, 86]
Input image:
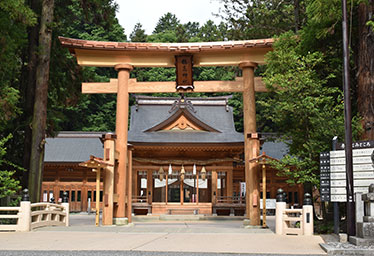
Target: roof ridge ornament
[182, 103]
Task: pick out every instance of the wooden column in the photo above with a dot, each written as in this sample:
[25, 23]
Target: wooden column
[264, 195]
[129, 186]
[166, 188]
[135, 183]
[251, 144]
[97, 203]
[109, 155]
[149, 186]
[229, 184]
[197, 188]
[84, 193]
[214, 186]
[181, 196]
[121, 132]
[56, 188]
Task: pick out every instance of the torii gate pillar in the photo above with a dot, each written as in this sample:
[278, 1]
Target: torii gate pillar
[119, 211]
[251, 143]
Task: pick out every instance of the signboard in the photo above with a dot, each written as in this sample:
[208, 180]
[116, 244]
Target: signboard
[357, 145]
[242, 188]
[270, 204]
[363, 170]
[184, 65]
[324, 158]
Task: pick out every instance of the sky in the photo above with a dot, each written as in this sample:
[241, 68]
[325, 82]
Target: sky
[148, 12]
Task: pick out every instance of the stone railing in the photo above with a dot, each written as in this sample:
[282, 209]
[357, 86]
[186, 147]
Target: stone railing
[293, 221]
[29, 216]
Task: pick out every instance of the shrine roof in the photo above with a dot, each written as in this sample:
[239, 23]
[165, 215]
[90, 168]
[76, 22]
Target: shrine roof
[275, 149]
[153, 111]
[76, 147]
[72, 43]
[71, 147]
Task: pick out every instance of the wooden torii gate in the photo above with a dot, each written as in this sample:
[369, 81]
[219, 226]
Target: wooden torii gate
[124, 56]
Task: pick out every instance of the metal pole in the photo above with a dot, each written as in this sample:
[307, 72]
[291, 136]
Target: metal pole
[336, 204]
[348, 127]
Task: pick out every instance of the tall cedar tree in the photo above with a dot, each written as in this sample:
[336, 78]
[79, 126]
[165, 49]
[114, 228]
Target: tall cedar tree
[365, 68]
[40, 104]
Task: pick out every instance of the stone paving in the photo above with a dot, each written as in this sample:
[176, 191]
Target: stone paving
[128, 253]
[208, 237]
[337, 248]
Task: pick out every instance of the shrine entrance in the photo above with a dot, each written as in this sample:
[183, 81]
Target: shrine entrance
[119, 180]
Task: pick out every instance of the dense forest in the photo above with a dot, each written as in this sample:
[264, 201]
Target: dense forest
[40, 81]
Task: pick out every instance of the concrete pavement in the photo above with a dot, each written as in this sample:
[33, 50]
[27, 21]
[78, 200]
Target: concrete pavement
[192, 236]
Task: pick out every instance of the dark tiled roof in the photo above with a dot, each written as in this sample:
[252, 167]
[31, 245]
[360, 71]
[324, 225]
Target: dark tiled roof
[214, 112]
[275, 149]
[73, 147]
[166, 47]
[78, 146]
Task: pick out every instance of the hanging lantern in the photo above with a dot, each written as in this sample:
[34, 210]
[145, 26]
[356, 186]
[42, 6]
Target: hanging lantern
[203, 173]
[170, 170]
[182, 173]
[161, 174]
[194, 169]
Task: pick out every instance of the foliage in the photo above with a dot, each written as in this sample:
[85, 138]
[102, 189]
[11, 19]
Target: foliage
[138, 34]
[167, 22]
[15, 16]
[68, 109]
[8, 184]
[324, 227]
[261, 18]
[305, 111]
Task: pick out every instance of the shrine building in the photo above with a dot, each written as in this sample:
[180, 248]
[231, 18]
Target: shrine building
[187, 158]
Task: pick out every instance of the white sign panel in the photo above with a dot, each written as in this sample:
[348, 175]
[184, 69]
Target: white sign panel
[270, 204]
[363, 172]
[242, 188]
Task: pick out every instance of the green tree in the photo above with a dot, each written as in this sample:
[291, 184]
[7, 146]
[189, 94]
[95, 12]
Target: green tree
[39, 119]
[306, 112]
[15, 18]
[8, 184]
[69, 109]
[262, 18]
[138, 34]
[168, 22]
[209, 32]
[324, 24]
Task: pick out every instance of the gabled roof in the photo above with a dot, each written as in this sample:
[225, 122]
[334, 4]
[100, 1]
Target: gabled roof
[73, 147]
[182, 112]
[213, 114]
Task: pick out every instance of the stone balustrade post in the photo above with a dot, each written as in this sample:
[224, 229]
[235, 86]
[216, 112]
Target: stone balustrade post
[24, 215]
[279, 209]
[308, 215]
[65, 204]
[359, 205]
